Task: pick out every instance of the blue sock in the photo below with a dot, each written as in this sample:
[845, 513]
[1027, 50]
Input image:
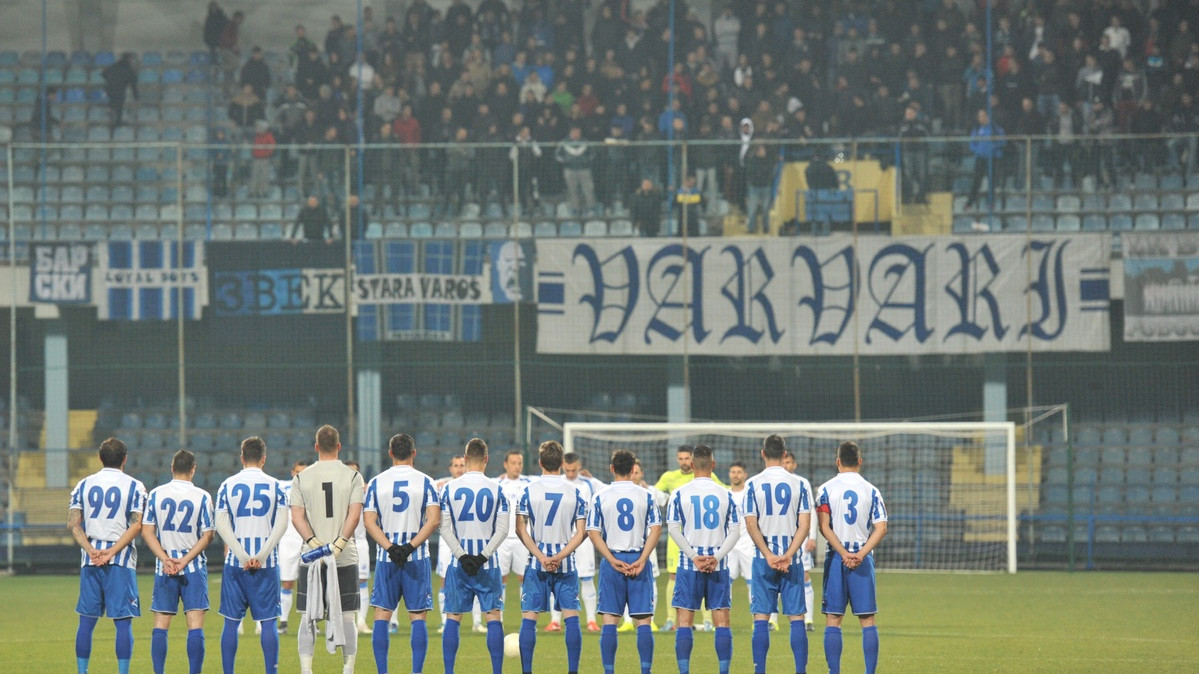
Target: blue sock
[495, 645]
[195, 650]
[574, 643]
[832, 649]
[380, 643]
[83, 642]
[870, 647]
[761, 645]
[799, 645]
[270, 646]
[124, 644]
[158, 650]
[645, 647]
[229, 645]
[724, 648]
[419, 641]
[449, 644]
[528, 641]
[608, 648]
[683, 641]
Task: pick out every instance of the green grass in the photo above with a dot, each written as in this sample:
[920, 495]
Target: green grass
[1030, 622]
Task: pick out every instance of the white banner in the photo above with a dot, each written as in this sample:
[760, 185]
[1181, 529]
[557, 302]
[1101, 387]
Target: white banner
[755, 297]
[422, 288]
[1161, 287]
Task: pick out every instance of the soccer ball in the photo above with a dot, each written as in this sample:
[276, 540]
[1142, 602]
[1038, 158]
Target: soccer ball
[512, 645]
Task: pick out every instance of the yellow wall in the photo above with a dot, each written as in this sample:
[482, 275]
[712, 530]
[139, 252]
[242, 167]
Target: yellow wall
[863, 175]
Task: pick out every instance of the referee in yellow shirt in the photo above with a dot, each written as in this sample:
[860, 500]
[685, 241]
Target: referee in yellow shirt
[671, 480]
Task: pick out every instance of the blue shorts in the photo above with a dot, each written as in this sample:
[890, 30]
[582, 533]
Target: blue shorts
[692, 587]
[257, 590]
[461, 589]
[537, 587]
[108, 590]
[848, 587]
[189, 586]
[413, 582]
[616, 590]
[770, 587]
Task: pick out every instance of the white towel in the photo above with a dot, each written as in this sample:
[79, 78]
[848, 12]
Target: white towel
[317, 587]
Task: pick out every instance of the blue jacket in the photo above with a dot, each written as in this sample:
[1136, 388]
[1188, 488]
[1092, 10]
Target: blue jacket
[983, 148]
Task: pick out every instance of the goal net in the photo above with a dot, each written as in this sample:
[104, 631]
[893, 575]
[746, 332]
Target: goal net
[950, 487]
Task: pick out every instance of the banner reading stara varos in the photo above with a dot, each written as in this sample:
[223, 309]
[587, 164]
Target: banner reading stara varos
[827, 296]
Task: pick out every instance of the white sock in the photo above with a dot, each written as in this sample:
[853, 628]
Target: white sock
[440, 606]
[364, 601]
[556, 617]
[809, 597]
[351, 647]
[590, 599]
[476, 613]
[284, 604]
[347, 666]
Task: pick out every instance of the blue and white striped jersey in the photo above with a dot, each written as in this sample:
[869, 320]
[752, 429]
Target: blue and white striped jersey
[553, 506]
[473, 502]
[623, 514]
[588, 487]
[400, 495]
[108, 499]
[513, 490]
[180, 511]
[745, 544]
[777, 499]
[254, 501]
[705, 511]
[853, 505]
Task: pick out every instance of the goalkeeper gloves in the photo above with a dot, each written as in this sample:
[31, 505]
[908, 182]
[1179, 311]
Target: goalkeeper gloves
[313, 543]
[399, 553]
[471, 564]
[339, 545]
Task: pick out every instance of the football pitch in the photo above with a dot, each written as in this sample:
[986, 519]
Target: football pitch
[1029, 622]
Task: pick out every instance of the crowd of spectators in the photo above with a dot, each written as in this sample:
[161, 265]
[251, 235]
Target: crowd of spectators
[1077, 70]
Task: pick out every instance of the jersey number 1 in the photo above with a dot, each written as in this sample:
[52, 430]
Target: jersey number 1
[327, 487]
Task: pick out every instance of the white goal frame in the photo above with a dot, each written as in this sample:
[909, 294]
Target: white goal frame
[834, 430]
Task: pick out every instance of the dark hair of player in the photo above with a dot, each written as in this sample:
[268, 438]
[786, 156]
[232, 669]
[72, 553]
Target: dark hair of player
[253, 449]
[327, 439]
[401, 446]
[738, 464]
[550, 455]
[701, 457]
[849, 454]
[570, 457]
[773, 447]
[475, 449]
[513, 452]
[622, 462]
[788, 454]
[684, 449]
[354, 464]
[113, 453]
[183, 462]
[299, 464]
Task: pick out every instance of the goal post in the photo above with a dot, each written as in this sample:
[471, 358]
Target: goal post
[950, 487]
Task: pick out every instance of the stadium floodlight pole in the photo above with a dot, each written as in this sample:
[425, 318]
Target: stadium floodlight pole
[179, 306]
[857, 347]
[347, 298]
[12, 354]
[516, 366]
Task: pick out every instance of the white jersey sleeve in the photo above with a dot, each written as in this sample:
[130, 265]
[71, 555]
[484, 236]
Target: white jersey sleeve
[472, 503]
[705, 512]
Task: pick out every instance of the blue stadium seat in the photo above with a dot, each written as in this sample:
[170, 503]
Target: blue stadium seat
[545, 230]
[420, 230]
[1147, 221]
[120, 232]
[1068, 223]
[445, 230]
[70, 232]
[595, 228]
[495, 230]
[1165, 436]
[1120, 223]
[246, 231]
[147, 231]
[395, 230]
[1120, 202]
[1069, 203]
[1174, 221]
[1172, 202]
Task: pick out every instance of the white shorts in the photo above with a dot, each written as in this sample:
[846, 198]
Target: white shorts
[289, 557]
[585, 559]
[443, 557]
[514, 557]
[364, 558]
[741, 563]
